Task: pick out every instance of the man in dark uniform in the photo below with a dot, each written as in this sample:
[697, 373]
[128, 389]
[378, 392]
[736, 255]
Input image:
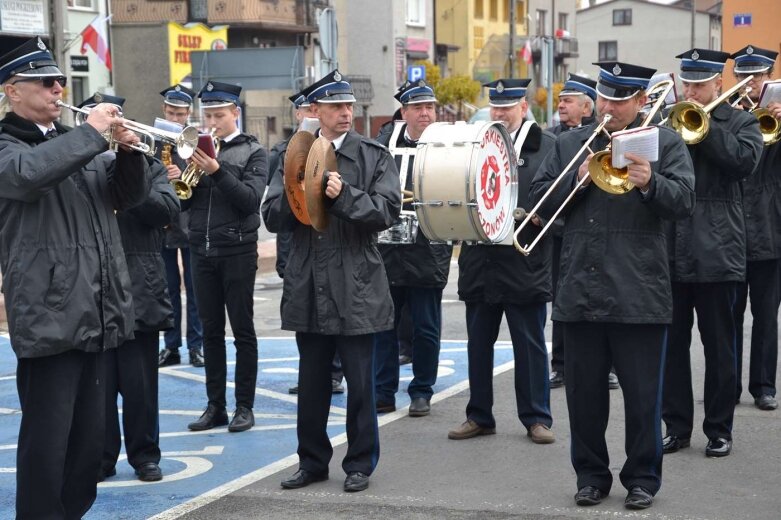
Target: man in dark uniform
[576, 109]
[177, 106]
[335, 294]
[131, 369]
[224, 221]
[762, 213]
[614, 297]
[417, 271]
[65, 279]
[708, 261]
[497, 280]
[304, 119]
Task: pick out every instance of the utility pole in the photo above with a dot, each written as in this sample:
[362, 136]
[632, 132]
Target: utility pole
[694, 11]
[61, 51]
[512, 55]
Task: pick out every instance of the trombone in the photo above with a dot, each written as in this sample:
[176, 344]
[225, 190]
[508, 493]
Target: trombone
[527, 249]
[692, 121]
[768, 125]
[185, 141]
[616, 180]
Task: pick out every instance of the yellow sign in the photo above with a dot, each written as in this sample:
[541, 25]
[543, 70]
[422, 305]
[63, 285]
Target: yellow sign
[183, 39]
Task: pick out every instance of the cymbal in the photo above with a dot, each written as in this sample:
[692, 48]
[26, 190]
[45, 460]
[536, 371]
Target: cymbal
[322, 158]
[295, 164]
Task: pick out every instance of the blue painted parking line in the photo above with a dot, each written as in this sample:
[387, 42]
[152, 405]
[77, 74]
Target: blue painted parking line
[201, 466]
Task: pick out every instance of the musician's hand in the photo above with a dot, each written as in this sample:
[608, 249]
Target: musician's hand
[125, 137]
[583, 170]
[334, 186]
[775, 109]
[102, 116]
[173, 172]
[204, 162]
[639, 171]
[536, 220]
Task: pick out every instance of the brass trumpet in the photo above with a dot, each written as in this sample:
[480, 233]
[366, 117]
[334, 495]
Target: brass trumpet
[600, 168]
[692, 121]
[185, 141]
[768, 125]
[191, 176]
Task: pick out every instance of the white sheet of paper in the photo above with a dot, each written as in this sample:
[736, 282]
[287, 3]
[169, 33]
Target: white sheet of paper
[643, 142]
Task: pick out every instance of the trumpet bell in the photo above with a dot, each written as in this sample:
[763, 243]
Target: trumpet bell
[186, 142]
[182, 189]
[768, 125]
[690, 121]
[607, 178]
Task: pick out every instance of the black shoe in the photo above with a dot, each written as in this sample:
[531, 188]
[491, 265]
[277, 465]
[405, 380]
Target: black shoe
[384, 407]
[419, 407]
[168, 357]
[212, 417]
[589, 496]
[196, 358]
[356, 481]
[302, 478]
[720, 447]
[766, 402]
[612, 381]
[405, 359]
[149, 472]
[336, 387]
[556, 379]
[673, 443]
[638, 498]
[106, 473]
[243, 420]
[293, 390]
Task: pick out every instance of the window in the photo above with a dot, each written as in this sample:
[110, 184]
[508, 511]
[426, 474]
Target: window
[478, 41]
[622, 17]
[416, 12]
[541, 21]
[199, 11]
[608, 51]
[84, 4]
[78, 85]
[479, 9]
[563, 19]
[520, 11]
[493, 12]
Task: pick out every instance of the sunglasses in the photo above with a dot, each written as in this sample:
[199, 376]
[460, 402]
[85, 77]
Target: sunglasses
[47, 82]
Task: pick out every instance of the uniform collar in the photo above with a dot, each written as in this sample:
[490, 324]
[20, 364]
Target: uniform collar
[533, 138]
[231, 137]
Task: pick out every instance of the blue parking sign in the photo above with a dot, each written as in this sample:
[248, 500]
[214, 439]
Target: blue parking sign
[416, 73]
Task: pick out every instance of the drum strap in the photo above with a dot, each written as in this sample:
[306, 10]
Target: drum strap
[521, 137]
[404, 153]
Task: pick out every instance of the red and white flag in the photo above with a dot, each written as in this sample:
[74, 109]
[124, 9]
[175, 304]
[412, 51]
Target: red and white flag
[526, 52]
[95, 36]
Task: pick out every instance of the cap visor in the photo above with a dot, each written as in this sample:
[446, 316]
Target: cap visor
[337, 98]
[571, 93]
[504, 102]
[697, 76]
[751, 69]
[616, 94]
[217, 104]
[177, 103]
[41, 72]
[419, 100]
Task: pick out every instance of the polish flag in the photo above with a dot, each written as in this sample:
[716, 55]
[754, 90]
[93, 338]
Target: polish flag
[95, 36]
[526, 52]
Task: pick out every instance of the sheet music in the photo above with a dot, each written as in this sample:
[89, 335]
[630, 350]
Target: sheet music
[771, 93]
[639, 141]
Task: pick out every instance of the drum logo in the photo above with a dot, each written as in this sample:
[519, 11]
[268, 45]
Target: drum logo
[493, 183]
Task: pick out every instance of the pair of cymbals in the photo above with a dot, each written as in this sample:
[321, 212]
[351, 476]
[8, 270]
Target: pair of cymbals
[307, 160]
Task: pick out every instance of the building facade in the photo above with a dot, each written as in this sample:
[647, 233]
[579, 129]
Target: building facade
[752, 22]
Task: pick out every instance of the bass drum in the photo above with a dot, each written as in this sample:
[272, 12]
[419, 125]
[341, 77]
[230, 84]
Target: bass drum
[465, 182]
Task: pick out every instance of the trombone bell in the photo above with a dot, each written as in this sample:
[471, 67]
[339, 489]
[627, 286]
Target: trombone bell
[690, 121]
[607, 178]
[768, 125]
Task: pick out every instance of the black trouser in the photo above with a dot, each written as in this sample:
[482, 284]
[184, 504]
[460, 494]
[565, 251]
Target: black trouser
[532, 387]
[131, 370]
[61, 434]
[715, 304]
[637, 352]
[227, 283]
[404, 332]
[762, 280]
[557, 353]
[314, 401]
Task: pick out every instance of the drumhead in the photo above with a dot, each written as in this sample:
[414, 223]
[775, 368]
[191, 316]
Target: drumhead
[496, 186]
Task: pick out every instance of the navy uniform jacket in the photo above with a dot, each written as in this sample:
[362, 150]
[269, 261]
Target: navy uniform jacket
[421, 264]
[710, 246]
[335, 281]
[499, 273]
[614, 251]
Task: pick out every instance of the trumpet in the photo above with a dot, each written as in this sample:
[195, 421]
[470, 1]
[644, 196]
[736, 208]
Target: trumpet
[692, 121]
[185, 141]
[616, 180]
[527, 249]
[191, 176]
[768, 125]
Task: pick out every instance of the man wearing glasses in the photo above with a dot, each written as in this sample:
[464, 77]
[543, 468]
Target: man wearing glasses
[65, 279]
[761, 210]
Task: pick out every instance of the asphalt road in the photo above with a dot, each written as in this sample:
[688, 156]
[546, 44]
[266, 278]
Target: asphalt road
[423, 475]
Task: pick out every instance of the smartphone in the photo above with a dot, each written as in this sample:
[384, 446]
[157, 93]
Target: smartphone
[206, 144]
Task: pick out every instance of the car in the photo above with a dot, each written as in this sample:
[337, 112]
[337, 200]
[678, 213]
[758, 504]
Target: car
[484, 114]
